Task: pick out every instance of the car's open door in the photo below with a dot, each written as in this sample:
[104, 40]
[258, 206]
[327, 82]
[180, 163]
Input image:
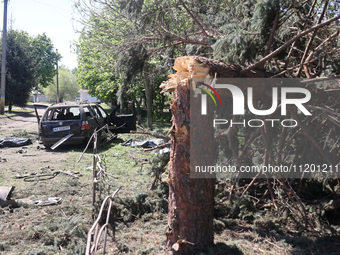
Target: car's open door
[39, 106]
[123, 123]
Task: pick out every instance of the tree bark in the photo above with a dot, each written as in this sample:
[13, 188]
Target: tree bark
[138, 110]
[10, 106]
[148, 95]
[191, 200]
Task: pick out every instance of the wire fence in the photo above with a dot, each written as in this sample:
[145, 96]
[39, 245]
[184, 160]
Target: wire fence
[95, 233]
[100, 176]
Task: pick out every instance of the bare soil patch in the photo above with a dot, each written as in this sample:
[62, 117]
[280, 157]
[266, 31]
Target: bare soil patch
[33, 157]
[24, 227]
[62, 229]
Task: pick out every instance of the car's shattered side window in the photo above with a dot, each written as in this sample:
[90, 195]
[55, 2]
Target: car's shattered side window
[49, 115]
[103, 113]
[73, 113]
[87, 111]
[96, 111]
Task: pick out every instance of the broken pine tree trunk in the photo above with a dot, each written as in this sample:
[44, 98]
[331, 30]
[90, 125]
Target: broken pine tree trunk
[191, 200]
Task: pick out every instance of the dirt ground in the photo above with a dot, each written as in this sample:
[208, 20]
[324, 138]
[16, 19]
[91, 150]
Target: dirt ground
[26, 228]
[33, 156]
[22, 223]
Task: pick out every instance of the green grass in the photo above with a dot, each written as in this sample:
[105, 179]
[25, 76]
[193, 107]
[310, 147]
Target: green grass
[138, 214]
[124, 163]
[16, 112]
[32, 103]
[62, 229]
[106, 107]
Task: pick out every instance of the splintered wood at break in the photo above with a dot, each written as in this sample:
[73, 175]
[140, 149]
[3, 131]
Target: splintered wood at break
[186, 68]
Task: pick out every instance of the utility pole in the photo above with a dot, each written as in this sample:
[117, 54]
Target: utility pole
[3, 61]
[57, 80]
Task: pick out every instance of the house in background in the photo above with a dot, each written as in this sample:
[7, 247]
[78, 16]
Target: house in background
[85, 96]
[38, 96]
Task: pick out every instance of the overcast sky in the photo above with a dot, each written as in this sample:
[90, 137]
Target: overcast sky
[52, 17]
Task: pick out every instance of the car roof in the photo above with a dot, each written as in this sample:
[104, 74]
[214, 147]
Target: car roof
[68, 104]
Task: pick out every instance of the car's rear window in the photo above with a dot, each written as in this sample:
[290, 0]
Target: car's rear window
[62, 113]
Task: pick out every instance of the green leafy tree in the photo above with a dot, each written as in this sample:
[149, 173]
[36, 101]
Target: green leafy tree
[125, 41]
[96, 70]
[272, 35]
[68, 86]
[30, 63]
[19, 78]
[108, 58]
[45, 59]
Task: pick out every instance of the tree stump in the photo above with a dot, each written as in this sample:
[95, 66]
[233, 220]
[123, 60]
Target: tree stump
[191, 200]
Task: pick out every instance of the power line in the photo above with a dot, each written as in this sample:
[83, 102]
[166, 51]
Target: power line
[54, 7]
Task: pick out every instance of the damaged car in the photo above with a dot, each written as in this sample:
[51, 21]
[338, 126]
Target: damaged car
[75, 123]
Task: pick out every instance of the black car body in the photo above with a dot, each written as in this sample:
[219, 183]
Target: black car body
[76, 120]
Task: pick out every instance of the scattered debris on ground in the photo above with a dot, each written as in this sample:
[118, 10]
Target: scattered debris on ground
[14, 142]
[5, 193]
[148, 143]
[48, 201]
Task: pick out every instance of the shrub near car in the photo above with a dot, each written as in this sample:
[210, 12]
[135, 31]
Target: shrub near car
[63, 119]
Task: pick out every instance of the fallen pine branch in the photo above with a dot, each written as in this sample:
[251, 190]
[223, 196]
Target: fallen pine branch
[157, 147]
[286, 44]
[147, 132]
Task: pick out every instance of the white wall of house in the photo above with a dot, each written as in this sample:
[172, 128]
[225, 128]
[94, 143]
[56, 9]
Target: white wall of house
[39, 98]
[85, 96]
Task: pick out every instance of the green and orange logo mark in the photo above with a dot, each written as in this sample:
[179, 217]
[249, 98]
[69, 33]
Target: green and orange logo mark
[209, 93]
